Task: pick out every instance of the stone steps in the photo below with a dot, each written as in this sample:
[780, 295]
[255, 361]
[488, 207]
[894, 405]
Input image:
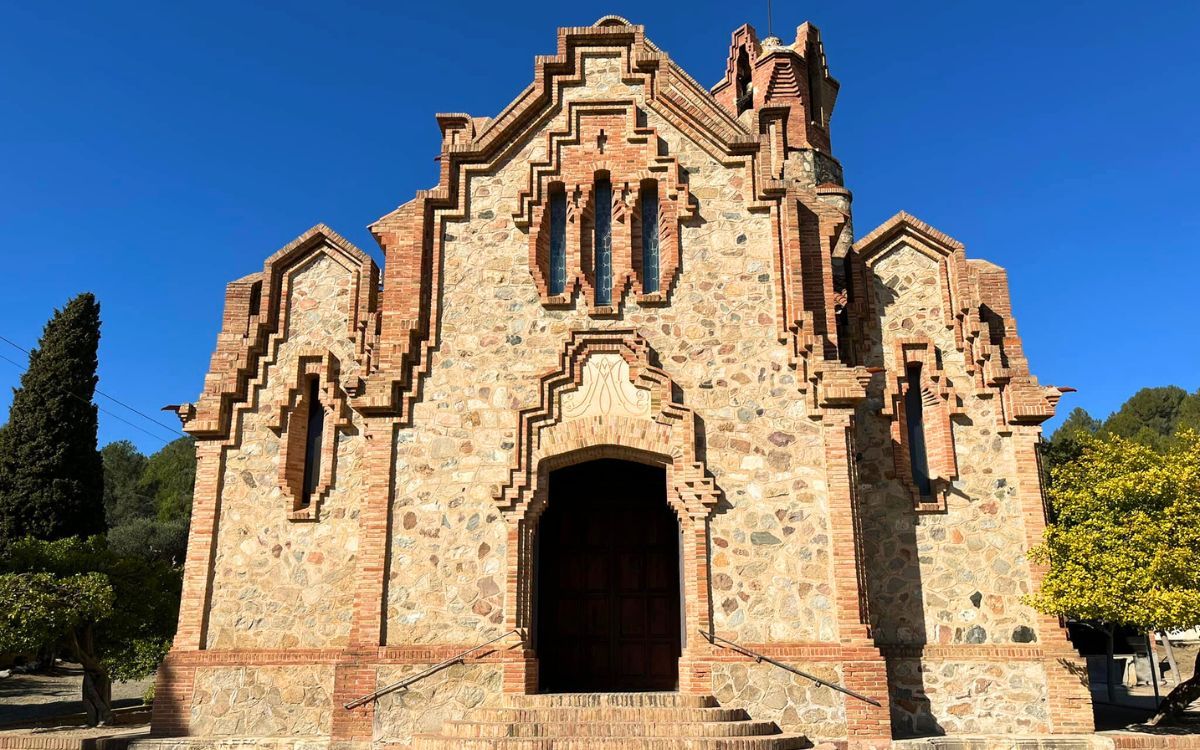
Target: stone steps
[773, 742]
[614, 700]
[549, 729]
[609, 721]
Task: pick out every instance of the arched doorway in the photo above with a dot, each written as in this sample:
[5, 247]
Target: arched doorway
[608, 580]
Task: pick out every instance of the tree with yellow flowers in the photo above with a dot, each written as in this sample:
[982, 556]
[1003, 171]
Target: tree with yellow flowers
[1124, 544]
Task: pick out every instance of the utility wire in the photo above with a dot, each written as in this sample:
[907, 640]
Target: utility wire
[153, 501]
[15, 345]
[101, 408]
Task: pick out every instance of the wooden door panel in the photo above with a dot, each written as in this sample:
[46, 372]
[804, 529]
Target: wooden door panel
[608, 589]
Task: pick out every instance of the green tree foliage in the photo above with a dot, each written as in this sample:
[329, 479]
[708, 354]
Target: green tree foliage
[124, 466]
[1124, 548]
[113, 614]
[1126, 545]
[1066, 443]
[169, 478]
[1152, 417]
[149, 501]
[51, 480]
[1149, 417]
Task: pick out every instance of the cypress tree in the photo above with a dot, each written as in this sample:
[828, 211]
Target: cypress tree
[51, 474]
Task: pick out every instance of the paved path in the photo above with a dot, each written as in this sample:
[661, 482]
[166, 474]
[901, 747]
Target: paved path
[25, 697]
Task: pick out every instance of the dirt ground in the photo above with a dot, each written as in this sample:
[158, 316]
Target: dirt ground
[27, 697]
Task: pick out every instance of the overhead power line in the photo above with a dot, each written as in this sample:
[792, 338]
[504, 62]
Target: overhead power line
[114, 399]
[98, 406]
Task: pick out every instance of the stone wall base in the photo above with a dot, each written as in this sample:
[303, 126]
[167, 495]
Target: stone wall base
[1008, 742]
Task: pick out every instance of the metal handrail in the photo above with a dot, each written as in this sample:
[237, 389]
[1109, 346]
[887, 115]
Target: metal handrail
[713, 638]
[422, 675]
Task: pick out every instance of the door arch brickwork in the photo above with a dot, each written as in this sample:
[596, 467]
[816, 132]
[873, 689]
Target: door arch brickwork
[607, 400]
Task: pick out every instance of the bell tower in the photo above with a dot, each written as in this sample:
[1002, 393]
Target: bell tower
[769, 74]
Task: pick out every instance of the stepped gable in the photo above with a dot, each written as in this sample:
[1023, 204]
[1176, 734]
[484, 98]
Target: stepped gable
[627, 408]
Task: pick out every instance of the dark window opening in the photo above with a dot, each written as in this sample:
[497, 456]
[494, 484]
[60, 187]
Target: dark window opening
[558, 241]
[816, 92]
[314, 431]
[603, 240]
[255, 297]
[743, 87]
[914, 417]
[650, 267]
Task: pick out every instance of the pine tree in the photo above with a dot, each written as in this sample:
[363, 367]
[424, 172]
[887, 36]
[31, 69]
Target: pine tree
[51, 474]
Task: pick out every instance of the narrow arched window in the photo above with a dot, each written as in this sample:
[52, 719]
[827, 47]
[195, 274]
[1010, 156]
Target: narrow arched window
[603, 240]
[649, 221]
[914, 418]
[558, 240]
[743, 88]
[314, 431]
[816, 92]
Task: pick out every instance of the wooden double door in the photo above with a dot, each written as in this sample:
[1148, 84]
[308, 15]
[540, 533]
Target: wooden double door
[608, 581]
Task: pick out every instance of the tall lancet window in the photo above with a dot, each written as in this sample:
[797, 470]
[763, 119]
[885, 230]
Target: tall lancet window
[743, 88]
[314, 431]
[603, 240]
[558, 240]
[650, 237]
[914, 417]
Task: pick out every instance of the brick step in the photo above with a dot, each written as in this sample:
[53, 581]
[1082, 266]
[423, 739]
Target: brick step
[624, 714]
[772, 742]
[712, 729]
[609, 721]
[614, 700]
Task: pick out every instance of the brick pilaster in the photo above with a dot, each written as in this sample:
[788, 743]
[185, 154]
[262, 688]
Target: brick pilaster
[355, 675]
[172, 699]
[173, 687]
[864, 669]
[1070, 709]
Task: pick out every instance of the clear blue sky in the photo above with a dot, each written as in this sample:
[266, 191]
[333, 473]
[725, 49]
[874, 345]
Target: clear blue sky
[151, 152]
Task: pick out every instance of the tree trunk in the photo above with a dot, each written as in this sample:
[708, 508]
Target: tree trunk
[1108, 666]
[97, 697]
[1175, 676]
[97, 685]
[1155, 678]
[1184, 694]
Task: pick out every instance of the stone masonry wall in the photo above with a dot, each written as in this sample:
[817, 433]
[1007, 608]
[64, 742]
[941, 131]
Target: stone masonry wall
[445, 696]
[963, 697]
[966, 565]
[292, 701]
[791, 701]
[716, 339]
[952, 578]
[280, 583]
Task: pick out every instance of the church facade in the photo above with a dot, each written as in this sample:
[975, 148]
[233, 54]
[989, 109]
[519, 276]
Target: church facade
[627, 407]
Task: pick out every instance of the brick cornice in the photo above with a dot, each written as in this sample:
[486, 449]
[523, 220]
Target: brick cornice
[975, 307]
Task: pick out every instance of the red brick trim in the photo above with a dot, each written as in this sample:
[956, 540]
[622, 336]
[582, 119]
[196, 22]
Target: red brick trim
[604, 137]
[981, 652]
[975, 306]
[868, 673]
[549, 439]
[941, 403]
[250, 333]
[779, 78]
[1070, 709]
[291, 422]
[1152, 741]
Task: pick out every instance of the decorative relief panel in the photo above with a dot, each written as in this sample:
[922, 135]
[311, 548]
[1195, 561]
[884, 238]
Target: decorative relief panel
[606, 389]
